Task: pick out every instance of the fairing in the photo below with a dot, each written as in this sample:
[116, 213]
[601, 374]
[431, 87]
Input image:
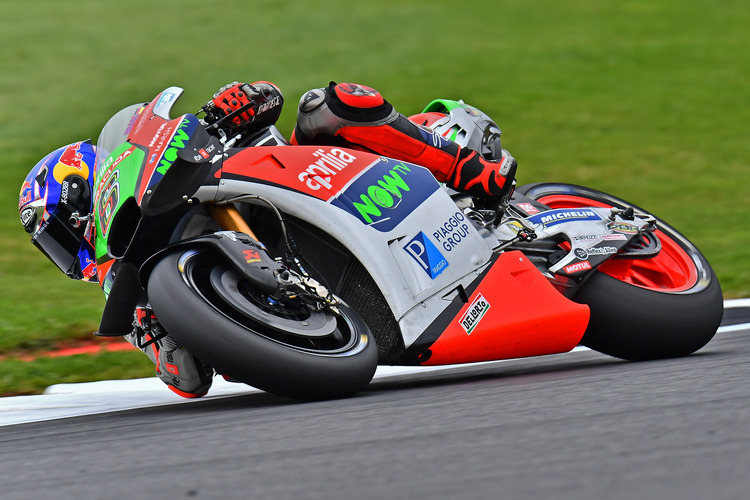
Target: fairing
[424, 254]
[513, 312]
[136, 149]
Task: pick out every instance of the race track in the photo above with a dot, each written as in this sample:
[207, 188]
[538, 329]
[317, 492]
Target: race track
[579, 425]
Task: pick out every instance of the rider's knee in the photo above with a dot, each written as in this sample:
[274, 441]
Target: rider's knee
[325, 111]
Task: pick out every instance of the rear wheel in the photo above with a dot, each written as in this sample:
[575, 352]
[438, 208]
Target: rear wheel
[243, 333]
[663, 306]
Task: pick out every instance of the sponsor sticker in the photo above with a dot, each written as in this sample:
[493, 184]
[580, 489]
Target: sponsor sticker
[427, 255]
[528, 208]
[166, 98]
[577, 267]
[554, 217]
[26, 216]
[178, 141]
[612, 237]
[251, 256]
[586, 237]
[327, 165]
[514, 226]
[474, 314]
[452, 231]
[313, 99]
[25, 196]
[89, 271]
[622, 227]
[71, 162]
[431, 137]
[108, 200]
[602, 250]
[387, 193]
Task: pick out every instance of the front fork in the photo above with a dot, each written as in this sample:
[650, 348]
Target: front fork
[229, 219]
[315, 294]
[148, 330]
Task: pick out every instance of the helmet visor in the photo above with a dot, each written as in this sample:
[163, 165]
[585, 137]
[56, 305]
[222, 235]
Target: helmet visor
[60, 241]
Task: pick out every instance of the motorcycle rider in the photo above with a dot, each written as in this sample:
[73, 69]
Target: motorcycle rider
[357, 116]
[346, 114]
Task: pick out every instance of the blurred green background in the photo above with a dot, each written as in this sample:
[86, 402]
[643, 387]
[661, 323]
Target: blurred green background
[646, 99]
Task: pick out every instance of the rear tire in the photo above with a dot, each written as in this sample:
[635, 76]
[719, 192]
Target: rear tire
[636, 324]
[209, 308]
[666, 306]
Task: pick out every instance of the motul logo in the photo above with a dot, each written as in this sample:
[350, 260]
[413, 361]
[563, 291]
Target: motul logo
[578, 267]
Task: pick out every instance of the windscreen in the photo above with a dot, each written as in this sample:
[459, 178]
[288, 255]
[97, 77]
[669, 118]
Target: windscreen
[115, 132]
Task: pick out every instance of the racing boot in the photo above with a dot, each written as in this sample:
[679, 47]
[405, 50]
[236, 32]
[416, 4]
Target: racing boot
[357, 116]
[183, 373]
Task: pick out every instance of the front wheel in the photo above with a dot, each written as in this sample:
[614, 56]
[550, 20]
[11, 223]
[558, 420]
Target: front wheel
[245, 334]
[668, 305]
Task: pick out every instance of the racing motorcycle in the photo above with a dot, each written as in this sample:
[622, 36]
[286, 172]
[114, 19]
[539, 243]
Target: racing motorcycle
[299, 269]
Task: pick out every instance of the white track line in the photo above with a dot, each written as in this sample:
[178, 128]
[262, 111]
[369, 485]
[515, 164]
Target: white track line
[93, 398]
[729, 304]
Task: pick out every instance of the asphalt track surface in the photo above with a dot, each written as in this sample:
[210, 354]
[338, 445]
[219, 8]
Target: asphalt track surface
[578, 425]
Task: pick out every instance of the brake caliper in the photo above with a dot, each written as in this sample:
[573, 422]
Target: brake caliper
[296, 287]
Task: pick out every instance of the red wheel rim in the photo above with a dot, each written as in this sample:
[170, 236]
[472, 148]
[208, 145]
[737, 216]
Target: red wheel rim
[671, 270]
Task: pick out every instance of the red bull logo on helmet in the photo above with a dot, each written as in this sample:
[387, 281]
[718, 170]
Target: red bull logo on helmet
[70, 162]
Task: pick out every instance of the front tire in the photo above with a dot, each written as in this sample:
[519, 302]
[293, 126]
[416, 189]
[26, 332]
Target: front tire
[665, 306]
[242, 333]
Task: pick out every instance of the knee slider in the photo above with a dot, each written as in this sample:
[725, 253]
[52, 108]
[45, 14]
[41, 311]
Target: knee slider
[326, 110]
[358, 96]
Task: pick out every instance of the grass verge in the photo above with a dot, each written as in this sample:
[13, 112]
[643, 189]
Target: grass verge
[21, 377]
[646, 99]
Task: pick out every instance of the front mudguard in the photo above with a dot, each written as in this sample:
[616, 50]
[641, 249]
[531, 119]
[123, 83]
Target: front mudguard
[245, 254]
[128, 289]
